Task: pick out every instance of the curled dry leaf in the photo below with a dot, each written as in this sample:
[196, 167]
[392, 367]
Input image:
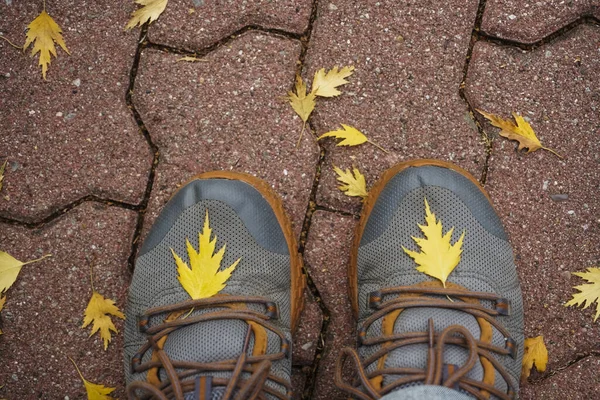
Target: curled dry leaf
[325, 83]
[589, 292]
[203, 277]
[522, 132]
[438, 257]
[150, 11]
[44, 32]
[350, 137]
[94, 391]
[535, 354]
[10, 268]
[353, 183]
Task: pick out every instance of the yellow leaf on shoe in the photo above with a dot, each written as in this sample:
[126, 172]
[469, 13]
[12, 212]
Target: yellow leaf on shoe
[44, 31]
[203, 278]
[438, 257]
[352, 183]
[10, 268]
[589, 292]
[98, 311]
[93, 390]
[325, 83]
[150, 11]
[535, 353]
[522, 132]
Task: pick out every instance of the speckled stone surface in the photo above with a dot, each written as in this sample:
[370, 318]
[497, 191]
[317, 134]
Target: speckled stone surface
[556, 87]
[327, 254]
[307, 335]
[579, 381]
[527, 21]
[409, 59]
[227, 113]
[195, 24]
[44, 309]
[71, 135]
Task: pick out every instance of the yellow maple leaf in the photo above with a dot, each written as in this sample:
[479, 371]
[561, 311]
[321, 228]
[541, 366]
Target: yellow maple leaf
[150, 11]
[10, 268]
[302, 103]
[352, 182]
[438, 257]
[535, 353]
[98, 311]
[589, 292]
[202, 278]
[2, 167]
[325, 83]
[94, 391]
[44, 31]
[351, 137]
[522, 132]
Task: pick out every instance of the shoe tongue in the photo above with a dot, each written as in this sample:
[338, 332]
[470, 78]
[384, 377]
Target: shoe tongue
[415, 356]
[207, 342]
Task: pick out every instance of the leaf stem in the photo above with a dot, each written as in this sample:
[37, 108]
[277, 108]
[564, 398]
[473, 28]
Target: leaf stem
[37, 259]
[92, 276]
[553, 152]
[77, 368]
[11, 43]
[44, 2]
[301, 132]
[378, 146]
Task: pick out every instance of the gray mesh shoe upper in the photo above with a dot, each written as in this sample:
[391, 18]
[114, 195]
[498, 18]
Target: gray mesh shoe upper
[486, 265]
[241, 218]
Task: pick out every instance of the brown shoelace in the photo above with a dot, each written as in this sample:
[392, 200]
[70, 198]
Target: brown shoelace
[435, 372]
[194, 377]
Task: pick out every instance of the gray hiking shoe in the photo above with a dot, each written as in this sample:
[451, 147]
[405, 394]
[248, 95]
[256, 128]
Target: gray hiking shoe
[215, 295]
[466, 333]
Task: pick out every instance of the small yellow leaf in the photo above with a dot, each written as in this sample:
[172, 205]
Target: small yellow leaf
[302, 103]
[94, 391]
[2, 167]
[44, 31]
[522, 132]
[535, 353]
[588, 293]
[351, 185]
[10, 268]
[350, 135]
[325, 83]
[191, 59]
[150, 11]
[438, 257]
[204, 278]
[98, 311]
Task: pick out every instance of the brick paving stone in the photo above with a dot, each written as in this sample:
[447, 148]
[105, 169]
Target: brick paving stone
[556, 87]
[409, 59]
[579, 381]
[227, 114]
[307, 335]
[327, 254]
[527, 21]
[196, 24]
[43, 314]
[72, 135]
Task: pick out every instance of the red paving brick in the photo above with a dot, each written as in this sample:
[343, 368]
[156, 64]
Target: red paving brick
[556, 88]
[72, 135]
[44, 309]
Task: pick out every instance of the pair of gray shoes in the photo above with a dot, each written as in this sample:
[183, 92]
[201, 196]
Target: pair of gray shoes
[217, 292]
